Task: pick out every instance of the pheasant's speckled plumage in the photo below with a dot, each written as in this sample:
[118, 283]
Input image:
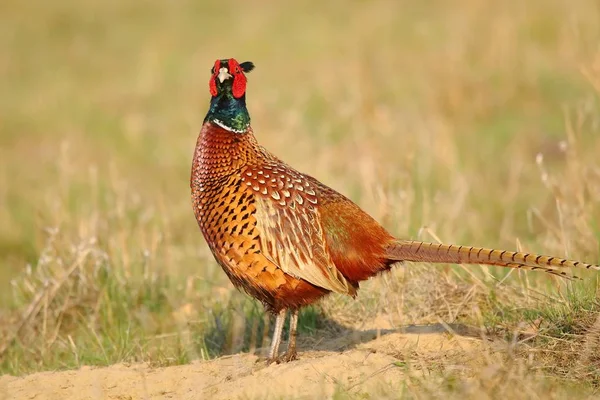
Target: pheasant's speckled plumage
[284, 237]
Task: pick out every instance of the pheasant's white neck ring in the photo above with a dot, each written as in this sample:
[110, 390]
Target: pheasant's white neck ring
[227, 128]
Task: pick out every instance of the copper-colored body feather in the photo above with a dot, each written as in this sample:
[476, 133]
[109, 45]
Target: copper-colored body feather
[287, 239]
[282, 236]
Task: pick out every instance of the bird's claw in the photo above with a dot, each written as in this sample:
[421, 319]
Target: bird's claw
[290, 356]
[285, 358]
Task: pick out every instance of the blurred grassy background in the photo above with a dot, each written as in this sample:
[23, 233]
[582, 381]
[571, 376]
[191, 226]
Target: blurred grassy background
[476, 119]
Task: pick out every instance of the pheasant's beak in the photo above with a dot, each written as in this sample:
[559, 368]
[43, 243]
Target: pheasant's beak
[223, 74]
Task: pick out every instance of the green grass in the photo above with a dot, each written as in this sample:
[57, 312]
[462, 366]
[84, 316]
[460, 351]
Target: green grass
[425, 115]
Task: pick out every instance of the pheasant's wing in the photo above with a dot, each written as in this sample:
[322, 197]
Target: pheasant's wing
[290, 231]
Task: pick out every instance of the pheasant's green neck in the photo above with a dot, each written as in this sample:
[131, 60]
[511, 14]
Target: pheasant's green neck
[229, 113]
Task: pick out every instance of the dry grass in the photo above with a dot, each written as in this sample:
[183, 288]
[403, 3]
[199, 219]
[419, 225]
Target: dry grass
[476, 120]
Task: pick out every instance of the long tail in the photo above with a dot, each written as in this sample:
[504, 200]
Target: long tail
[408, 250]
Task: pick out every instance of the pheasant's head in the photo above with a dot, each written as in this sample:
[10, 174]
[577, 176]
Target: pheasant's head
[228, 78]
[228, 89]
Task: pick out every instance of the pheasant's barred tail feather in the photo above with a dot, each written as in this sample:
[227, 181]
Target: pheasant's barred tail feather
[407, 250]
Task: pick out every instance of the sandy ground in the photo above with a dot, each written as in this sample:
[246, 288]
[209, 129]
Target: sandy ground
[361, 362]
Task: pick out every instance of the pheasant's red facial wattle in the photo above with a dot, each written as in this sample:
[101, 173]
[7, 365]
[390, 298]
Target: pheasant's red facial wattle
[239, 79]
[212, 84]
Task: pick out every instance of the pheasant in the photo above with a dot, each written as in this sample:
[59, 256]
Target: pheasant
[286, 238]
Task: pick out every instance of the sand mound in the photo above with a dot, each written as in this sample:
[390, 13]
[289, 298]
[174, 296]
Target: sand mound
[363, 362]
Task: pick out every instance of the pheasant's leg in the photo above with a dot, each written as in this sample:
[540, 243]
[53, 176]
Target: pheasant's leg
[291, 354]
[274, 351]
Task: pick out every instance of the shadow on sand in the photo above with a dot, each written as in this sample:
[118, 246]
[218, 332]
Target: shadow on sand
[336, 337]
[317, 332]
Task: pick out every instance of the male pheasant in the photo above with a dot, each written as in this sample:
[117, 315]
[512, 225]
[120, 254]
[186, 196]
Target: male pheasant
[286, 238]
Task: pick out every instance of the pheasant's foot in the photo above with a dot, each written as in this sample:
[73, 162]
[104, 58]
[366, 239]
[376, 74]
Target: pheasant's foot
[263, 360]
[266, 361]
[290, 355]
[276, 360]
[284, 358]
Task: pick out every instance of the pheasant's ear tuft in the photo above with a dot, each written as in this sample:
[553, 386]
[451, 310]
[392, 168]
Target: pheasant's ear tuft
[247, 66]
